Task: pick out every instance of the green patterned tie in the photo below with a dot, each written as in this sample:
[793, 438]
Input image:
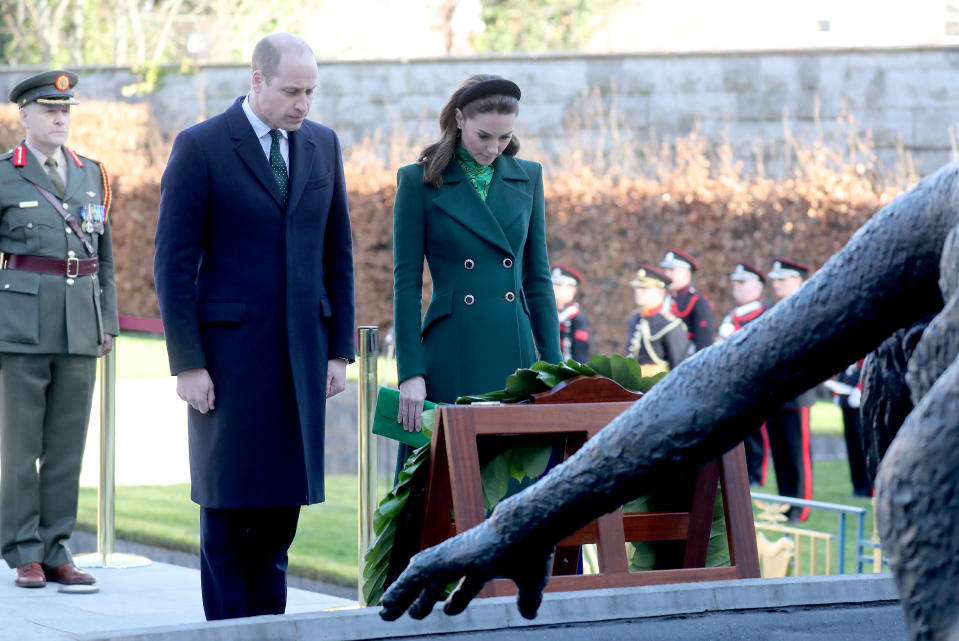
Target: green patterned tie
[277, 164]
[55, 178]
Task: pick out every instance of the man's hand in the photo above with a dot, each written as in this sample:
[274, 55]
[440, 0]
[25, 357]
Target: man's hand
[479, 554]
[196, 388]
[107, 345]
[335, 376]
[412, 395]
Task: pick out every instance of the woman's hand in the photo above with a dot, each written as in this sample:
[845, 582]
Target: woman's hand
[412, 395]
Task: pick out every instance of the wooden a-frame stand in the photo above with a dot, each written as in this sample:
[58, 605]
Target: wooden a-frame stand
[579, 408]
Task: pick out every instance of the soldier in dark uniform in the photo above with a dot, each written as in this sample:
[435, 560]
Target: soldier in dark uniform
[788, 429]
[656, 338]
[848, 396]
[573, 323]
[58, 312]
[748, 284]
[687, 303]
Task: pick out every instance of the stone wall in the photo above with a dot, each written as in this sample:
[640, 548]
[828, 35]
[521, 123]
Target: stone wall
[908, 98]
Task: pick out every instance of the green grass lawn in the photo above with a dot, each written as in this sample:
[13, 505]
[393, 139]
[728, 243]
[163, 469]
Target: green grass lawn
[325, 548]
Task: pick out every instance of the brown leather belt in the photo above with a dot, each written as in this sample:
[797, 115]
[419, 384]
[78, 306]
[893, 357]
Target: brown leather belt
[69, 267]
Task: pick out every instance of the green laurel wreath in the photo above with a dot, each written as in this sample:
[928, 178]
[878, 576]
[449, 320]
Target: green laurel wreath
[524, 462]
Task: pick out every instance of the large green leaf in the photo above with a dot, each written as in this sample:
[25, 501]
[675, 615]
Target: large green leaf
[529, 459]
[495, 475]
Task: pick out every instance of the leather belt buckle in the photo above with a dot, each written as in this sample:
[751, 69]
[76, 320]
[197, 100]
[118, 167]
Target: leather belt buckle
[75, 272]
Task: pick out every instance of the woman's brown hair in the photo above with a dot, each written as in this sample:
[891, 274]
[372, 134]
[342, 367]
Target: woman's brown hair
[437, 156]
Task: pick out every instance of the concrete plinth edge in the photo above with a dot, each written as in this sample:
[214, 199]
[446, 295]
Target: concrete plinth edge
[565, 607]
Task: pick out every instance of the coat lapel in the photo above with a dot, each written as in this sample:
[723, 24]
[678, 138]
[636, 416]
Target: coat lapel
[302, 151]
[35, 173]
[75, 178]
[509, 197]
[249, 150]
[461, 202]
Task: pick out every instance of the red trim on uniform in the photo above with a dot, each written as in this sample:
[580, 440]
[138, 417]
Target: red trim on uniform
[683, 313]
[20, 156]
[581, 335]
[75, 157]
[765, 466]
[107, 192]
[141, 324]
[806, 462]
[740, 321]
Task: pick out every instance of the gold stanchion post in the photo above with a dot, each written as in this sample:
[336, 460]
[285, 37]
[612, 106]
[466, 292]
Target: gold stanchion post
[106, 555]
[366, 468]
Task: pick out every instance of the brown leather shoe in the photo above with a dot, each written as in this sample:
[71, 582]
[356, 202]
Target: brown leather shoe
[30, 575]
[69, 574]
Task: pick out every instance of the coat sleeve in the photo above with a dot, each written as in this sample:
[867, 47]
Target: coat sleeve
[177, 249]
[409, 247]
[703, 326]
[338, 265]
[676, 343]
[536, 281]
[580, 348]
[108, 288]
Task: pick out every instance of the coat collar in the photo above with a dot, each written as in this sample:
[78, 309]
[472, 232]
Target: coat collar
[508, 199]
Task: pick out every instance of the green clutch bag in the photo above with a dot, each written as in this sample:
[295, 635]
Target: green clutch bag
[385, 423]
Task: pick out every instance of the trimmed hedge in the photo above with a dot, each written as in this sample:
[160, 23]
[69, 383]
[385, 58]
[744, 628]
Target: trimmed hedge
[602, 224]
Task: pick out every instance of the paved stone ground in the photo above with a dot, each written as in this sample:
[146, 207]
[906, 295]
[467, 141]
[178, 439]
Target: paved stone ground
[155, 595]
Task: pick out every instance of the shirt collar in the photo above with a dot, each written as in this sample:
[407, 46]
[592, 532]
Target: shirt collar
[260, 128]
[58, 154]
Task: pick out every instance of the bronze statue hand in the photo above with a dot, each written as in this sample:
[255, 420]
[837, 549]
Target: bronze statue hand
[476, 556]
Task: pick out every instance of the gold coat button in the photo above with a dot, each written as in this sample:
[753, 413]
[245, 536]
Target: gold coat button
[71, 254]
[469, 263]
[68, 230]
[510, 297]
[6, 286]
[468, 299]
[66, 205]
[70, 281]
[507, 262]
[29, 225]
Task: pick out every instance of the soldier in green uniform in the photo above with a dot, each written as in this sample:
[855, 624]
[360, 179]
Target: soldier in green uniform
[58, 312]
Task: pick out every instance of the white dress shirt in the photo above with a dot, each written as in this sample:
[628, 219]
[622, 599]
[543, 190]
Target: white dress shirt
[262, 132]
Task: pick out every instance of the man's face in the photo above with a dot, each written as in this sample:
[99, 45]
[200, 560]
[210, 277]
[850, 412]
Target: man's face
[746, 291]
[564, 294]
[284, 100]
[47, 126]
[648, 297]
[680, 277]
[786, 286]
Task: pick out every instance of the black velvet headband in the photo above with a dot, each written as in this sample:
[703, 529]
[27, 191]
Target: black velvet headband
[494, 87]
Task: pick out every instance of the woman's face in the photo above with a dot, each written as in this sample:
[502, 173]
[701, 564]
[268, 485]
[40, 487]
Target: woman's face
[485, 136]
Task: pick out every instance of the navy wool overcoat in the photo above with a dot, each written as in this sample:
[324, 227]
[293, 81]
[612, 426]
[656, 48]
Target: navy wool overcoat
[260, 293]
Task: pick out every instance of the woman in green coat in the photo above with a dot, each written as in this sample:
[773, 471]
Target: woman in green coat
[477, 214]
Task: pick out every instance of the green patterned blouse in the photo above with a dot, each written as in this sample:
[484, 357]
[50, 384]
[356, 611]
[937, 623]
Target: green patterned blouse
[480, 176]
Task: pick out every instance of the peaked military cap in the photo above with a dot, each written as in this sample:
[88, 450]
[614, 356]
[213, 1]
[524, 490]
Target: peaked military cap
[677, 258]
[563, 275]
[783, 268]
[747, 271]
[47, 88]
[650, 276]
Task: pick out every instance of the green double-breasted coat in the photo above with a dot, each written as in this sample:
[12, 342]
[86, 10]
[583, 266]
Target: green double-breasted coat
[492, 309]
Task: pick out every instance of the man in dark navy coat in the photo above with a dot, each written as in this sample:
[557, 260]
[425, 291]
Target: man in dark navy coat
[254, 273]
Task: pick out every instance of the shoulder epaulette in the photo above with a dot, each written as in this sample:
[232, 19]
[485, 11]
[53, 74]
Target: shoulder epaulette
[6, 155]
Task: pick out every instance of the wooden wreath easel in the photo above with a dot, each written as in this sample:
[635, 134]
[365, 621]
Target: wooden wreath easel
[579, 408]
